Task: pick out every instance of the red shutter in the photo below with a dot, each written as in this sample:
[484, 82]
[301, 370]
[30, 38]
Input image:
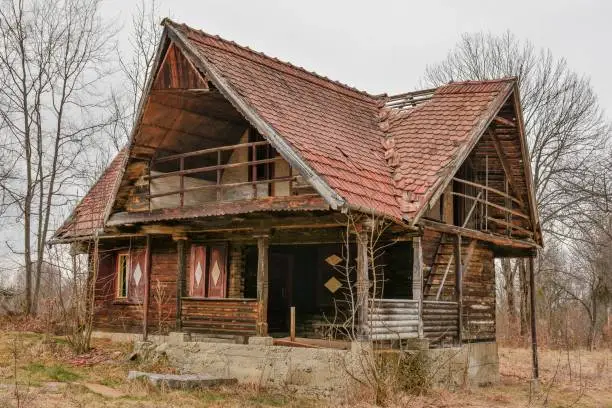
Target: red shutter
[217, 276]
[197, 271]
[136, 275]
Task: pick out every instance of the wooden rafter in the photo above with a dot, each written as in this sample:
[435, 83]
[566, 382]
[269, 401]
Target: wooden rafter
[503, 121]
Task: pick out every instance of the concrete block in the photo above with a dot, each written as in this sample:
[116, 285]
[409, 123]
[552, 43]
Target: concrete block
[177, 338]
[261, 341]
[416, 344]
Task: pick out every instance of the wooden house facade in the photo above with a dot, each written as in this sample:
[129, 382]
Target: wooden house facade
[251, 186]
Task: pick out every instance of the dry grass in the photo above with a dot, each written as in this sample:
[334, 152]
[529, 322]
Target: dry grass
[49, 375]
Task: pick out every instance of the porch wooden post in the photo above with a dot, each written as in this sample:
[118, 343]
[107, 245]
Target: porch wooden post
[180, 280]
[459, 286]
[363, 284]
[262, 284]
[534, 337]
[147, 289]
[417, 278]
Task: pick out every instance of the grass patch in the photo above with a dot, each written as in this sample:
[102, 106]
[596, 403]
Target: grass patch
[273, 400]
[56, 372]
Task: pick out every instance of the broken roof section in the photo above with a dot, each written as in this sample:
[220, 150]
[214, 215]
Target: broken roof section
[360, 151]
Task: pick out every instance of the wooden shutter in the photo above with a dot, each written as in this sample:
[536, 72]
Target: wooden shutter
[197, 271]
[136, 275]
[217, 274]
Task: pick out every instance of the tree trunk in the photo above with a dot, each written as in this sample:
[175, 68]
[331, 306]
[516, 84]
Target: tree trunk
[508, 272]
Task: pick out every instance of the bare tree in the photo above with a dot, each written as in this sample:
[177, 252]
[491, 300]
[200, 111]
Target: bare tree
[53, 57]
[135, 69]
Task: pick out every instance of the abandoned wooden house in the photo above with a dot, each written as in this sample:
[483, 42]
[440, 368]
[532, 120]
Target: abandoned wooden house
[251, 186]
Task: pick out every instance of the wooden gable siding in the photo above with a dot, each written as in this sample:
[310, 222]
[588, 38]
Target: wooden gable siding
[177, 72]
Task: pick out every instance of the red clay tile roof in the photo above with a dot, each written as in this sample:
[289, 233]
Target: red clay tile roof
[88, 215]
[429, 137]
[338, 131]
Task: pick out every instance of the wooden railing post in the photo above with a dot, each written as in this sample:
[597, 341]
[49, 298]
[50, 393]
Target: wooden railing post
[262, 284]
[417, 278]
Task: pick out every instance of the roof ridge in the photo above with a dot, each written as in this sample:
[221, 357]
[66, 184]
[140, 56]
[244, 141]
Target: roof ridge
[350, 90]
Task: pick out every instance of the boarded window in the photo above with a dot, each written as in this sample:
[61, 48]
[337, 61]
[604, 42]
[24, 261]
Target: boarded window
[217, 276]
[197, 271]
[208, 271]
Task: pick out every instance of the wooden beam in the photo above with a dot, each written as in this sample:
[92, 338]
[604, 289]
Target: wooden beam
[503, 121]
[363, 285]
[479, 235]
[309, 202]
[459, 285]
[147, 289]
[447, 204]
[262, 284]
[534, 337]
[180, 281]
[417, 278]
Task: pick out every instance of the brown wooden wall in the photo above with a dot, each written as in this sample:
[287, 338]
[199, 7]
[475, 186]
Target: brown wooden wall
[126, 315]
[220, 316]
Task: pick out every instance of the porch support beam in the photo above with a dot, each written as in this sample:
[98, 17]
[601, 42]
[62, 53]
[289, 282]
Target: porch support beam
[417, 278]
[459, 286]
[180, 279]
[262, 284]
[147, 289]
[363, 284]
[534, 337]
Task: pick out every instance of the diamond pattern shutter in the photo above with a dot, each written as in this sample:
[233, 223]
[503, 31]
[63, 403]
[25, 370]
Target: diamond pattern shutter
[217, 276]
[136, 278]
[197, 271]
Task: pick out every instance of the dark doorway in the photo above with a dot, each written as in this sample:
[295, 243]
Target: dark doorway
[280, 292]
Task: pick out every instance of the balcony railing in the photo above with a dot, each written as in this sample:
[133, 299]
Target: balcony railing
[250, 185]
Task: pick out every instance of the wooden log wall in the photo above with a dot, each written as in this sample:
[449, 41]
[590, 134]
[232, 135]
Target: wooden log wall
[220, 316]
[111, 314]
[393, 319]
[440, 321]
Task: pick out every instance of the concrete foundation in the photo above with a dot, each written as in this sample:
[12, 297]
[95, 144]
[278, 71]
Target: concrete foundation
[315, 371]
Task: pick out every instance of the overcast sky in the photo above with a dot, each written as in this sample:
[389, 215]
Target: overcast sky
[384, 46]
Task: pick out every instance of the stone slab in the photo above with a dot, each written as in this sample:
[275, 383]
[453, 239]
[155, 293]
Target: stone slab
[182, 381]
[103, 390]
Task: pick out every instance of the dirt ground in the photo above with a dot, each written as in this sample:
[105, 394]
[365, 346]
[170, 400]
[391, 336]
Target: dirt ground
[41, 372]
